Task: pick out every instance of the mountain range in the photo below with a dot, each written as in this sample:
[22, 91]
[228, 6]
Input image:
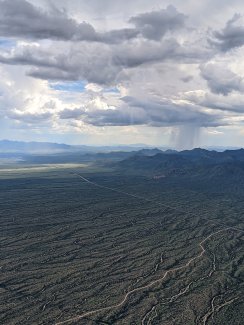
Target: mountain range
[187, 162]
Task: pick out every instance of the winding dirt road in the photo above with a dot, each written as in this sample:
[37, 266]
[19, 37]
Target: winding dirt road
[153, 283]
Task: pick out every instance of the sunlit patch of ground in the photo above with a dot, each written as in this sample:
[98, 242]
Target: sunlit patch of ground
[33, 170]
[41, 167]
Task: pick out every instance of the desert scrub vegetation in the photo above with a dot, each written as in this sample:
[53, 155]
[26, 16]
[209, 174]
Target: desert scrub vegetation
[77, 253]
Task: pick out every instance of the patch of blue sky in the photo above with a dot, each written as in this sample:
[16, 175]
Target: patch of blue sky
[74, 86]
[7, 43]
[112, 90]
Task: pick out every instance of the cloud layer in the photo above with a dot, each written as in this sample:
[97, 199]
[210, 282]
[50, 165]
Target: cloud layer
[155, 67]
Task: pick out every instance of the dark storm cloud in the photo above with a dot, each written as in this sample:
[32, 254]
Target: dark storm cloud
[96, 62]
[30, 118]
[221, 80]
[166, 112]
[102, 57]
[222, 106]
[154, 25]
[19, 18]
[67, 114]
[89, 62]
[117, 36]
[111, 117]
[134, 55]
[228, 105]
[53, 74]
[231, 36]
[133, 111]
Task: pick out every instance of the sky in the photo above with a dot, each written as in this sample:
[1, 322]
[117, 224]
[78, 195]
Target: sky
[107, 72]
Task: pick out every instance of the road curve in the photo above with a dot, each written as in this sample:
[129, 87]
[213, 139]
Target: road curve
[151, 284]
